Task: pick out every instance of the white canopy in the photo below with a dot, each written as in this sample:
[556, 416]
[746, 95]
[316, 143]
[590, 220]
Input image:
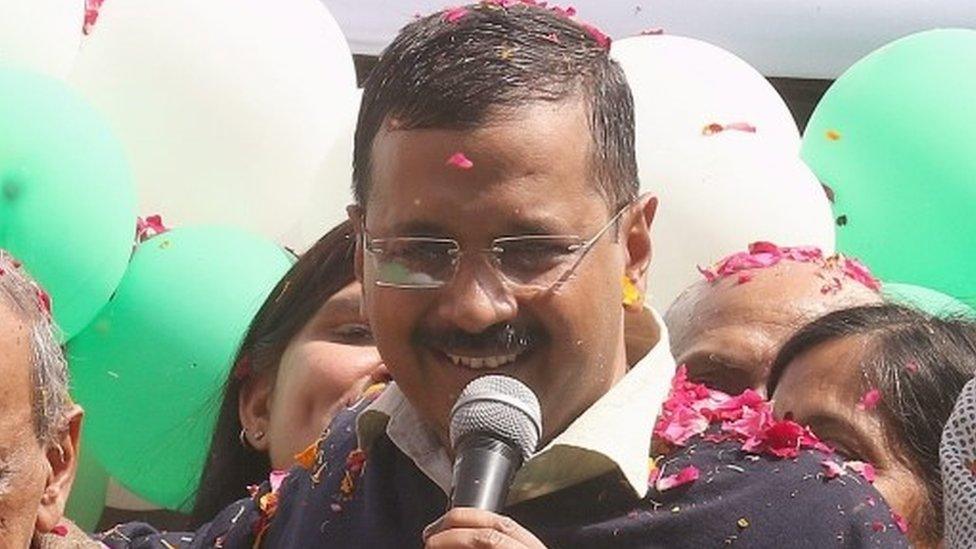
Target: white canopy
[793, 38]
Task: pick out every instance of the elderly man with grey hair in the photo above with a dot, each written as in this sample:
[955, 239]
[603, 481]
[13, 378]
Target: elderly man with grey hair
[39, 425]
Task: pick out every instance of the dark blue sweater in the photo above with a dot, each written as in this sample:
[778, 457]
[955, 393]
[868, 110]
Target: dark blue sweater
[738, 501]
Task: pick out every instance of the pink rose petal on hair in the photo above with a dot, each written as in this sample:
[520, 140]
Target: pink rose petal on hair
[832, 469]
[453, 15]
[866, 470]
[458, 160]
[276, 478]
[859, 272]
[900, 522]
[871, 501]
[685, 476]
[60, 530]
[911, 366]
[877, 526]
[601, 39]
[708, 274]
[869, 400]
[565, 12]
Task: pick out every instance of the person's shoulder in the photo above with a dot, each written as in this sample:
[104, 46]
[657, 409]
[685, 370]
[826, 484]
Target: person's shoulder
[715, 492]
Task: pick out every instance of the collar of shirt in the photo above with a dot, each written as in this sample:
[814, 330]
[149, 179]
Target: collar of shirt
[612, 435]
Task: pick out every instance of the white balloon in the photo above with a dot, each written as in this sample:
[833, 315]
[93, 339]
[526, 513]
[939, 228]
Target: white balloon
[735, 192]
[227, 108]
[681, 85]
[41, 35]
[332, 188]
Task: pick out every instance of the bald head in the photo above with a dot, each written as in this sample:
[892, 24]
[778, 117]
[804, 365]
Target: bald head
[728, 330]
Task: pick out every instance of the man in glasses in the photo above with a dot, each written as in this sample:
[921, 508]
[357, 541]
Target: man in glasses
[500, 231]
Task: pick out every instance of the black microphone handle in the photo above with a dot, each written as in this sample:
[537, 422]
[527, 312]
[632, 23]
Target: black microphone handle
[483, 470]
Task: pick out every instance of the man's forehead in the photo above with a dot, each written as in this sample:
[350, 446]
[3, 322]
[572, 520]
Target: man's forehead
[532, 169]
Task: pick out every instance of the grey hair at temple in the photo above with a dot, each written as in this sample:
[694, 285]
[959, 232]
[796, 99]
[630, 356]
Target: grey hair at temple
[49, 369]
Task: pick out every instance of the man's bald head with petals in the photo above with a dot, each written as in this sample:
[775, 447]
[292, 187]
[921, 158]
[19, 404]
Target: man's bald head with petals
[728, 327]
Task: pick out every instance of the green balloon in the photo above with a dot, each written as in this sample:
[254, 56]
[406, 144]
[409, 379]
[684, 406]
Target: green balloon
[926, 299]
[67, 202]
[150, 367]
[894, 138]
[87, 500]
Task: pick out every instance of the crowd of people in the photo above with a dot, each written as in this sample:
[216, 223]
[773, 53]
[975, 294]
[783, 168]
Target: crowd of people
[781, 401]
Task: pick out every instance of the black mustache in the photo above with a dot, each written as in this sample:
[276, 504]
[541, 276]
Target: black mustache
[503, 338]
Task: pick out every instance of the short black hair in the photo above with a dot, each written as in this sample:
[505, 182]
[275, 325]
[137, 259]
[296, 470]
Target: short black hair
[459, 68]
[918, 362]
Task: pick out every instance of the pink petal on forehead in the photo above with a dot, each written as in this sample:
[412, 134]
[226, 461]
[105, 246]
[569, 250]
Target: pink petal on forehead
[460, 161]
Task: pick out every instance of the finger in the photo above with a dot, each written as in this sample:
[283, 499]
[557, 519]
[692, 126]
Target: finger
[468, 518]
[472, 538]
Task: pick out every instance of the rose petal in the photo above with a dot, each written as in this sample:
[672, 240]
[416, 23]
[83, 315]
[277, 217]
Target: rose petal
[276, 477]
[453, 15]
[458, 160]
[869, 400]
[741, 127]
[685, 476]
[859, 272]
[900, 522]
[602, 40]
[60, 530]
[866, 470]
[833, 469]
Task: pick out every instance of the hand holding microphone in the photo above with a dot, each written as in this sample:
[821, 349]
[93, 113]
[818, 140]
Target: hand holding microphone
[495, 426]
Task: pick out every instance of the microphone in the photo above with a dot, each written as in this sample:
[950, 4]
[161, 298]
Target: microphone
[495, 426]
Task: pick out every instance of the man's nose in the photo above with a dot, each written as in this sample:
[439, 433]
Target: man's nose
[477, 298]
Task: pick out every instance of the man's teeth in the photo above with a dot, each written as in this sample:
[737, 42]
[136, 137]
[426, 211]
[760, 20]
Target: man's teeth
[482, 362]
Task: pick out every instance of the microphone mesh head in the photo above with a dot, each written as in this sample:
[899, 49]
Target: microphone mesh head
[501, 406]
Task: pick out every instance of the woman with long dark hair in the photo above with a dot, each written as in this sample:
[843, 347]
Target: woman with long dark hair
[878, 383]
[306, 355]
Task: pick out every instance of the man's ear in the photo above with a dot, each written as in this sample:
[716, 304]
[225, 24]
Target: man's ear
[637, 240]
[62, 461]
[254, 411]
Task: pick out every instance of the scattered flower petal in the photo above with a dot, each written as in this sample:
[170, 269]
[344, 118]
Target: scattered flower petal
[869, 400]
[91, 15]
[832, 469]
[859, 272]
[900, 522]
[871, 501]
[877, 526]
[276, 477]
[460, 161]
[306, 458]
[685, 476]
[745, 277]
[60, 530]
[601, 39]
[971, 465]
[911, 366]
[453, 15]
[866, 470]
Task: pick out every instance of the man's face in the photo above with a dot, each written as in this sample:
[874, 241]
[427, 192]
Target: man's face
[728, 333]
[23, 471]
[530, 176]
